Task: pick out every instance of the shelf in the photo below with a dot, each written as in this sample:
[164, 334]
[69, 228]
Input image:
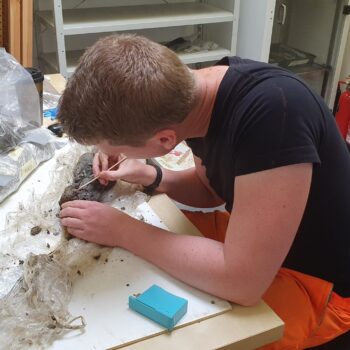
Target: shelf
[108, 19]
[162, 22]
[308, 68]
[188, 58]
[204, 56]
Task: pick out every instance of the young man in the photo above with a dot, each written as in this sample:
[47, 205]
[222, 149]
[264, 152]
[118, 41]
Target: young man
[264, 144]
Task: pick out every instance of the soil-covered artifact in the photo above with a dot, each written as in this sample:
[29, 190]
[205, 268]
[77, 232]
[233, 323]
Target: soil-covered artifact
[81, 175]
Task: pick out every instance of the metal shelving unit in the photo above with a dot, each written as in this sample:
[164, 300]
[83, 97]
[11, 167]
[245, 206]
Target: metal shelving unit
[306, 25]
[214, 20]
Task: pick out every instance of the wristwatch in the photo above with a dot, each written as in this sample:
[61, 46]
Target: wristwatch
[151, 188]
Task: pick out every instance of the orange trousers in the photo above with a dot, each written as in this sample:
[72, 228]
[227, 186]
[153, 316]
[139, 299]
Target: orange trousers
[313, 314]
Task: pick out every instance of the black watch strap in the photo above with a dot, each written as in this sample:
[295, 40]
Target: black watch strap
[150, 188]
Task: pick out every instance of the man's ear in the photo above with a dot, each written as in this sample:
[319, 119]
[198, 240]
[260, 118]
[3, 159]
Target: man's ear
[165, 138]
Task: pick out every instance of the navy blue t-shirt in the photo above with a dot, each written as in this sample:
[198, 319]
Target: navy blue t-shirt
[265, 117]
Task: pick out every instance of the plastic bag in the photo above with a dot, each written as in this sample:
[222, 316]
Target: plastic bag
[23, 145]
[36, 146]
[10, 133]
[19, 102]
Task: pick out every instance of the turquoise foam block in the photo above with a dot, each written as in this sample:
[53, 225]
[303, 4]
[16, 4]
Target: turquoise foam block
[160, 306]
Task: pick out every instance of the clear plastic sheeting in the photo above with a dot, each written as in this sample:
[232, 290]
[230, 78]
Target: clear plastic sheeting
[35, 147]
[10, 134]
[19, 98]
[37, 272]
[50, 100]
[23, 144]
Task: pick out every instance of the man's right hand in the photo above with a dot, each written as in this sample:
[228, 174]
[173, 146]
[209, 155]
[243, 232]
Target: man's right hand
[131, 170]
[102, 162]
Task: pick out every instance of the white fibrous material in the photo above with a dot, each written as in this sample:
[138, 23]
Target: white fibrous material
[35, 311]
[37, 272]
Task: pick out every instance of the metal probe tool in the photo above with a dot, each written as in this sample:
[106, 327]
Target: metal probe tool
[95, 178]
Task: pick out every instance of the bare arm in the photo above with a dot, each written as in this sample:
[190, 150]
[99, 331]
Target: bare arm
[189, 187]
[268, 209]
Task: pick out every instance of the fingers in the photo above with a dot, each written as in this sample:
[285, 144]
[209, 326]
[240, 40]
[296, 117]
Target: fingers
[75, 232]
[72, 223]
[131, 170]
[76, 204]
[104, 161]
[103, 182]
[100, 163]
[109, 175]
[71, 218]
[91, 221]
[96, 164]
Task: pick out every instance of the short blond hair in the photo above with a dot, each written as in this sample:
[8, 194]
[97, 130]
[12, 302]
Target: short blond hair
[124, 89]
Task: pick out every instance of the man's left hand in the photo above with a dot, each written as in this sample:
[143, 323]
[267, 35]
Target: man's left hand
[93, 221]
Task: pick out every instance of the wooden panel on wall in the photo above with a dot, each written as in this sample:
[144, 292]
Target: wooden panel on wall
[14, 15]
[27, 32]
[1, 26]
[4, 14]
[20, 30]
